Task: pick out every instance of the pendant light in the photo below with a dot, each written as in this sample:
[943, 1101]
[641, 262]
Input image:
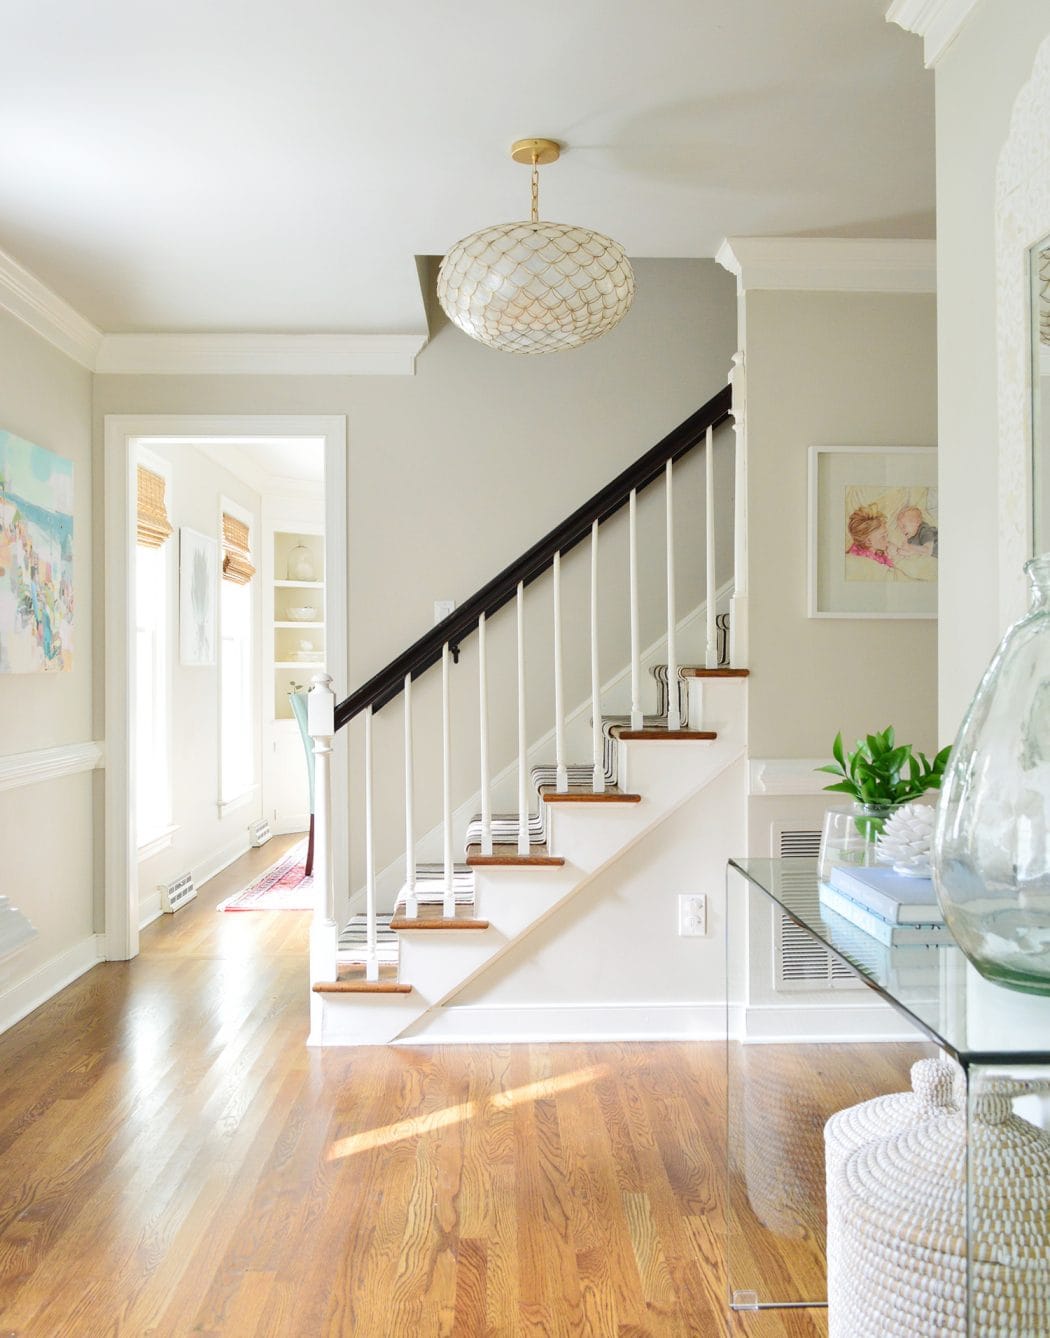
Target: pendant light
[535, 287]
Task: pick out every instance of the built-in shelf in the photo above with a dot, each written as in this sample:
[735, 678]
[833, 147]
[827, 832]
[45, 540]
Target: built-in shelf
[291, 635]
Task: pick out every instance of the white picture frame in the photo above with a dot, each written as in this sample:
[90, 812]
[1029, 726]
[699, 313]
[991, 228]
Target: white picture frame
[873, 542]
[198, 596]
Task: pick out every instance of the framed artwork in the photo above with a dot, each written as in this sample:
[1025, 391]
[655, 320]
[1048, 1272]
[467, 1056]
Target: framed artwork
[198, 592]
[36, 558]
[873, 532]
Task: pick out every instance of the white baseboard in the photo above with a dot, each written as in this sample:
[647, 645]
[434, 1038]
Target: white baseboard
[46, 981]
[149, 909]
[468, 1024]
[775, 1024]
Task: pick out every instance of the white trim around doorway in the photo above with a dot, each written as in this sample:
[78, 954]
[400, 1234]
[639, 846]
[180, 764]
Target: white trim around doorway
[122, 433]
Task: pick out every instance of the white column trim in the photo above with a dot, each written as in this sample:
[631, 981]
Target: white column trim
[831, 264]
[44, 764]
[937, 22]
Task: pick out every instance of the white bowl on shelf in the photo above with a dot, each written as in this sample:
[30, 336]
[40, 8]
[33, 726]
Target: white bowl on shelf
[303, 613]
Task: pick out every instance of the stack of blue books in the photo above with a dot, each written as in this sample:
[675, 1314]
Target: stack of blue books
[894, 909]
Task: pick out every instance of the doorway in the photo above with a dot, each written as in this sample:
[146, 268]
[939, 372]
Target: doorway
[289, 475]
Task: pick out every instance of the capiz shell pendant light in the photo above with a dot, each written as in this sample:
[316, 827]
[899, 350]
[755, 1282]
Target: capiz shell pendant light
[535, 287]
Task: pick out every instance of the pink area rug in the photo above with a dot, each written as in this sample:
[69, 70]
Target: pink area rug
[283, 887]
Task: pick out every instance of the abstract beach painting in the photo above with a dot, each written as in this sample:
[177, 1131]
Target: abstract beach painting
[198, 587]
[36, 558]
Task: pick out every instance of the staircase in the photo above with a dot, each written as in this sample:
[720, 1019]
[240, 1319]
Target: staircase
[375, 977]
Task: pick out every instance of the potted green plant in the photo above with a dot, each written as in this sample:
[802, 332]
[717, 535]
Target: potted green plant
[880, 775]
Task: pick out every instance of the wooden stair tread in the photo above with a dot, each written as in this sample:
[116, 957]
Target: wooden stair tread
[698, 671]
[630, 735]
[506, 856]
[437, 922]
[343, 986]
[608, 796]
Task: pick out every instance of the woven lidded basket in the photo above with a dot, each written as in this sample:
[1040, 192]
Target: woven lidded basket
[935, 1084]
[900, 1204]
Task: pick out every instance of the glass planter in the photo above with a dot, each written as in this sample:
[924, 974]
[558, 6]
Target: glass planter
[991, 852]
[849, 835]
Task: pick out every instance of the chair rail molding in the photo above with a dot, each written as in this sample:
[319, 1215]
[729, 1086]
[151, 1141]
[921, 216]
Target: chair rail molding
[1022, 212]
[785, 775]
[45, 764]
[831, 264]
[937, 22]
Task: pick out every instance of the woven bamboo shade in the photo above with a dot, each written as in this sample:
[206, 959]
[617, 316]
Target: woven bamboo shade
[153, 524]
[236, 555]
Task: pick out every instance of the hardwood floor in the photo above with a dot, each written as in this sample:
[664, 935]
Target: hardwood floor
[176, 1161]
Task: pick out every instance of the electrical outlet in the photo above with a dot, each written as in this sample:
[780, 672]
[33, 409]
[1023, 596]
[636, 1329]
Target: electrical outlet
[692, 916]
[442, 608]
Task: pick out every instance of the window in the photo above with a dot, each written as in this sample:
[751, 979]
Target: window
[153, 617]
[237, 713]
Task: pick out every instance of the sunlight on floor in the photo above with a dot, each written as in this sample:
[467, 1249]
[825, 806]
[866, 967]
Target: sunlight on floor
[439, 1119]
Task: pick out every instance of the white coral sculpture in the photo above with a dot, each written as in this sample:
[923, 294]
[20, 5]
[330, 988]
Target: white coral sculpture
[906, 838]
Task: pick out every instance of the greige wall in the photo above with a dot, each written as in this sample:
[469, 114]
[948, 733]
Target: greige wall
[977, 81]
[47, 828]
[830, 369]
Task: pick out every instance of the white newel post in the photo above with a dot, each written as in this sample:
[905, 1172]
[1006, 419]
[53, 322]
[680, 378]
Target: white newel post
[449, 898]
[324, 932]
[738, 639]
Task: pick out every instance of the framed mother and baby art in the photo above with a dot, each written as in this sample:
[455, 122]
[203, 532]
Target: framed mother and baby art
[873, 544]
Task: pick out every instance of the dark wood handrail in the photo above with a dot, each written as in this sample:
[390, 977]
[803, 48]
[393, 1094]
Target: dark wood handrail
[384, 686]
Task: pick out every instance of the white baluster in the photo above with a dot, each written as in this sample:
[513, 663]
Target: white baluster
[637, 720]
[483, 709]
[738, 648]
[709, 499]
[562, 779]
[523, 755]
[449, 900]
[598, 782]
[411, 900]
[674, 714]
[371, 951]
[324, 934]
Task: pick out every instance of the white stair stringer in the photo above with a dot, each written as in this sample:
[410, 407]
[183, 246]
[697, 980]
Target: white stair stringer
[590, 837]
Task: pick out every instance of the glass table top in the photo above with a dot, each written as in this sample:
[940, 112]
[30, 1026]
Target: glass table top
[976, 1020]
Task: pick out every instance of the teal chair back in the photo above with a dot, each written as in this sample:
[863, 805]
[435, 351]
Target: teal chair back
[298, 702]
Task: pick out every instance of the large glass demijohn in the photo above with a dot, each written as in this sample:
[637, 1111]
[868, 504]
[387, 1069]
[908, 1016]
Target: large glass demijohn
[991, 863]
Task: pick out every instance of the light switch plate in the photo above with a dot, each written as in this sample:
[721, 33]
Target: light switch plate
[692, 915]
[442, 608]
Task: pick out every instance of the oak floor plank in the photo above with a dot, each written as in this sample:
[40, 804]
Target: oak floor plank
[175, 1161]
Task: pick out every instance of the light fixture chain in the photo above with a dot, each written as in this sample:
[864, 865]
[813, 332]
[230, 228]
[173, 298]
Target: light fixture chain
[535, 190]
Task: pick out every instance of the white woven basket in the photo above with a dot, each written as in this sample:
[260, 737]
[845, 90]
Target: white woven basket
[934, 1087]
[900, 1208]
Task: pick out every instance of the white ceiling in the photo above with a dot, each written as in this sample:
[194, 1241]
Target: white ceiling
[254, 165]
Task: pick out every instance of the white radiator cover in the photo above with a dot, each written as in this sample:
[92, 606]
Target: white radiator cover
[799, 962]
[175, 895]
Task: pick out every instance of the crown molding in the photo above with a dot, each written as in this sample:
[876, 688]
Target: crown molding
[937, 22]
[260, 354]
[831, 264]
[24, 296]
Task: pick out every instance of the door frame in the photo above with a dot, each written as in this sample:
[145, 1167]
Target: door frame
[123, 432]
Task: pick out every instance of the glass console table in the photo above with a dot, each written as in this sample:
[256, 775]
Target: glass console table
[946, 1229]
